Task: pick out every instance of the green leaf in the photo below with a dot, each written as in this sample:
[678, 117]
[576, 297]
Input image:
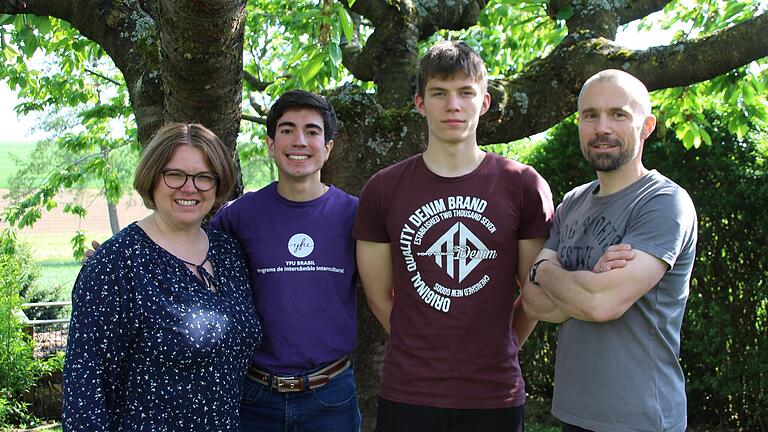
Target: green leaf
[748, 93]
[299, 54]
[78, 245]
[75, 209]
[688, 138]
[565, 13]
[312, 67]
[50, 204]
[43, 24]
[335, 53]
[29, 41]
[742, 130]
[6, 19]
[346, 23]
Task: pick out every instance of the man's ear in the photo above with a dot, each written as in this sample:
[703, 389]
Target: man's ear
[419, 102]
[648, 126]
[486, 103]
[271, 147]
[328, 148]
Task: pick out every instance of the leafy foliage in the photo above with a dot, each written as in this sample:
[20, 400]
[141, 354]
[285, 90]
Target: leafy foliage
[738, 95]
[510, 35]
[279, 43]
[724, 353]
[83, 98]
[18, 369]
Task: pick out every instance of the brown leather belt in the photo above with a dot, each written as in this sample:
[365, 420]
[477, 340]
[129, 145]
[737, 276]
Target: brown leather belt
[298, 383]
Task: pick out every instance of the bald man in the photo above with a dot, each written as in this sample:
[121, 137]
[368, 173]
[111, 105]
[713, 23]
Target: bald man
[617, 363]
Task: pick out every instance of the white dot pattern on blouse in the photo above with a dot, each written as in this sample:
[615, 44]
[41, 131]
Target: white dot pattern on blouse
[150, 347]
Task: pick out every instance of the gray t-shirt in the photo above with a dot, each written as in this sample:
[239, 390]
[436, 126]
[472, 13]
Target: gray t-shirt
[624, 375]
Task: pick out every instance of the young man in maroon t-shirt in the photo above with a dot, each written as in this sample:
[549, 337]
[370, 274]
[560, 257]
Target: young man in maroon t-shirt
[443, 239]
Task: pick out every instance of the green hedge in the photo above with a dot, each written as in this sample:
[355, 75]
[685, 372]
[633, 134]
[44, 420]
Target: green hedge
[724, 349]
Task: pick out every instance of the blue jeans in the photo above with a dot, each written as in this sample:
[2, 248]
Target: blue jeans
[330, 408]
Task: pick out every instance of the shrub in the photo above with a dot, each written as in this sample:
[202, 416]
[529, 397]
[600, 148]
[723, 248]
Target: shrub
[50, 293]
[18, 368]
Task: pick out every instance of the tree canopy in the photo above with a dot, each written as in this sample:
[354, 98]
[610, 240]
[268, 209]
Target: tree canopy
[187, 60]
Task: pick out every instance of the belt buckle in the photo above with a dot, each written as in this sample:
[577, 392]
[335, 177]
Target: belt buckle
[284, 384]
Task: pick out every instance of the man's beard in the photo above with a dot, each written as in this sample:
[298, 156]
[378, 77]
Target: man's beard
[607, 162]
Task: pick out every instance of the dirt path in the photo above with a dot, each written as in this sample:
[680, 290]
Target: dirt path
[97, 221]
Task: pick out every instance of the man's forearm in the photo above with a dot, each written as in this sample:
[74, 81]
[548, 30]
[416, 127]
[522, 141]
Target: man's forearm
[522, 324]
[539, 306]
[575, 293]
[382, 309]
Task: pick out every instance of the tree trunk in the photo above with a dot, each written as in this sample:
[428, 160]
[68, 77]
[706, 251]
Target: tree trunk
[114, 224]
[201, 63]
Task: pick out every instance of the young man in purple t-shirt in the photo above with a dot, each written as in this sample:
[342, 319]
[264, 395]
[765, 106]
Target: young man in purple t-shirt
[443, 240]
[296, 235]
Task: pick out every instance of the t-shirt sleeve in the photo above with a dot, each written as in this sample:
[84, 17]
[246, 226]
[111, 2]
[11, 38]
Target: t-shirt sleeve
[222, 220]
[538, 208]
[553, 241]
[662, 225]
[370, 219]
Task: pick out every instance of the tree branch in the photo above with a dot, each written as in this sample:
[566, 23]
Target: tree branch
[358, 61]
[704, 58]
[254, 119]
[106, 78]
[257, 106]
[639, 8]
[622, 12]
[254, 83]
[447, 14]
[376, 11]
[127, 34]
[547, 92]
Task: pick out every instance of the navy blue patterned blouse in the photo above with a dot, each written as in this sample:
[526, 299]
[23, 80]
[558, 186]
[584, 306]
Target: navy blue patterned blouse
[150, 347]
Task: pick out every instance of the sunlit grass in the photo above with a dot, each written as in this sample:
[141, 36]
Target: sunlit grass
[55, 247]
[53, 253]
[59, 274]
[8, 166]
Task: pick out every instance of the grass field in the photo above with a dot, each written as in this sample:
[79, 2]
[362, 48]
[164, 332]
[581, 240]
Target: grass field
[59, 273]
[7, 166]
[53, 253]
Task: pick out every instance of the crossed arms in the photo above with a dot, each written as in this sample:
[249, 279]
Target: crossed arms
[616, 282]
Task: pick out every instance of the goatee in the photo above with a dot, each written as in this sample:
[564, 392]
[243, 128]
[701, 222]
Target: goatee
[603, 161]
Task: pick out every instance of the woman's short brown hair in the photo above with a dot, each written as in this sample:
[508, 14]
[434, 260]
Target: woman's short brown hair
[161, 147]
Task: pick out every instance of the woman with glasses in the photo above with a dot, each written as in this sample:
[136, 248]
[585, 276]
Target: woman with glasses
[162, 323]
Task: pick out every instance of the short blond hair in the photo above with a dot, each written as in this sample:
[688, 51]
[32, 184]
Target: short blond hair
[161, 148]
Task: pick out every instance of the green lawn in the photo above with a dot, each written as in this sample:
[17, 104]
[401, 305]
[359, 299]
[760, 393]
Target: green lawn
[7, 166]
[53, 253]
[59, 273]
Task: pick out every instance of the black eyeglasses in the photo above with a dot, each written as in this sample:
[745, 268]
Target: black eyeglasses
[203, 181]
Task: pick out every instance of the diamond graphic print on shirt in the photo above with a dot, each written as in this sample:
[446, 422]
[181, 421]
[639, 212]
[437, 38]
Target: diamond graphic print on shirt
[453, 251]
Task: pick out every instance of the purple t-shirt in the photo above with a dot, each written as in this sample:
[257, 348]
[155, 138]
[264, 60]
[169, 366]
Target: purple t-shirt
[454, 255]
[301, 260]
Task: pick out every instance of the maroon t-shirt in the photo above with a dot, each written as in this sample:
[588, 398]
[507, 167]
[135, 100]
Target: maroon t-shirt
[454, 253]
